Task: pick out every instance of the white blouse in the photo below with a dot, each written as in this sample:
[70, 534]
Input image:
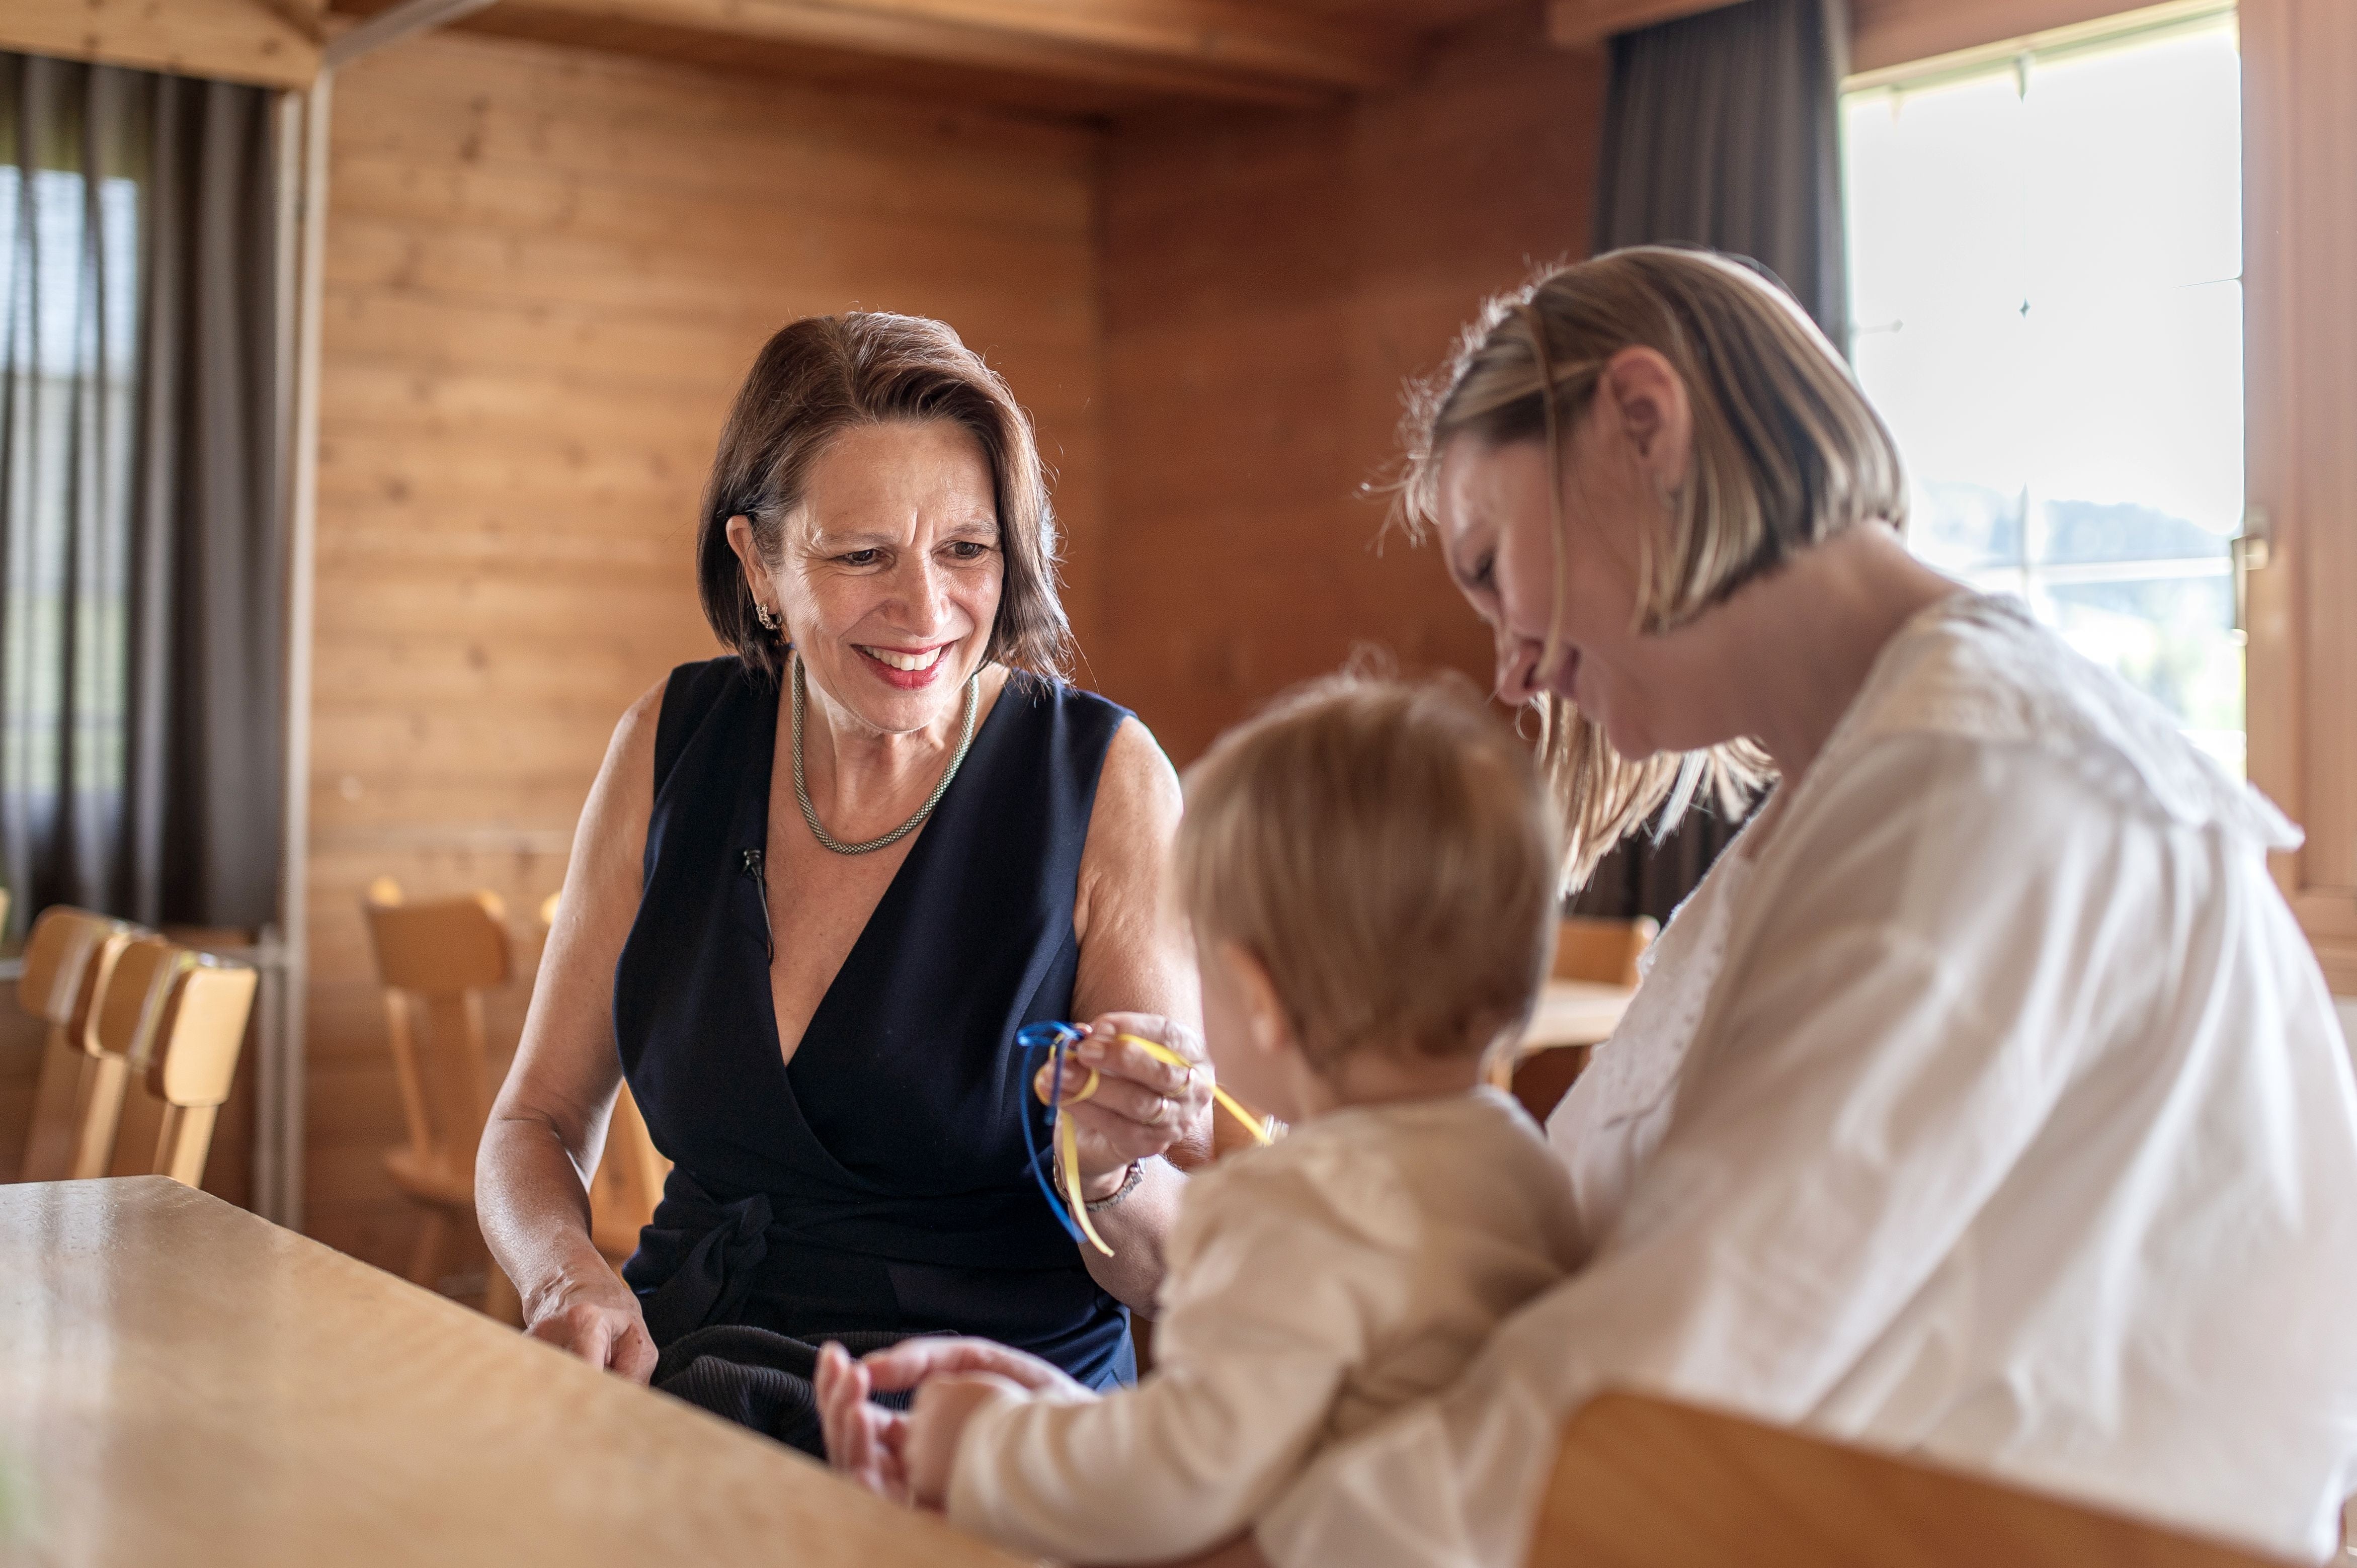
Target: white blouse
[1984, 1104]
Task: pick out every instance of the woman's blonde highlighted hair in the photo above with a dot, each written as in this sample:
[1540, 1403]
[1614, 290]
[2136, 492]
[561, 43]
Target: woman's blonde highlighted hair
[1786, 453]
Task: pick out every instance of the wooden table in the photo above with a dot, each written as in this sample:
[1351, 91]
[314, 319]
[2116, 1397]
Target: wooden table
[183, 1383]
[1576, 1013]
[1572, 1018]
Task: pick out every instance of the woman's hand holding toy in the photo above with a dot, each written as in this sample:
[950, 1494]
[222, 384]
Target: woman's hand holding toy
[1129, 1102]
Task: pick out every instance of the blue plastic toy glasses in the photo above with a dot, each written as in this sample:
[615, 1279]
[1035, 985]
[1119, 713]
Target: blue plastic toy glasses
[1055, 1039]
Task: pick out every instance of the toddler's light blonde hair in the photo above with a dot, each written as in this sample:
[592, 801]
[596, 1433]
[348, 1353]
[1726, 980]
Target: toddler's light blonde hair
[1787, 453]
[1385, 849]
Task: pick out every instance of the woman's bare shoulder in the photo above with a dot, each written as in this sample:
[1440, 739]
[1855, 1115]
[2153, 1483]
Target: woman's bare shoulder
[1125, 857]
[1137, 791]
[615, 815]
[635, 730]
[629, 762]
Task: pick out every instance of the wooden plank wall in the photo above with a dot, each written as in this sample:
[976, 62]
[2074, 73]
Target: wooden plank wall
[547, 271]
[1269, 282]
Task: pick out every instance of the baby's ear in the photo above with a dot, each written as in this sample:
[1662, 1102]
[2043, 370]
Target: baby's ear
[1271, 1031]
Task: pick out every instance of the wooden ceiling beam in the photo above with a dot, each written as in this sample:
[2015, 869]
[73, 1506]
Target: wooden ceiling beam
[1217, 48]
[258, 41]
[308, 17]
[1572, 24]
[405, 20]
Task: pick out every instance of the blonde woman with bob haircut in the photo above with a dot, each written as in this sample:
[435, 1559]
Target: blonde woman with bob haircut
[1985, 1103]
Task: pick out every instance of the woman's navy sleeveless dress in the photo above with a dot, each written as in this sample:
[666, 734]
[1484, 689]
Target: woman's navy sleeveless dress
[875, 1186]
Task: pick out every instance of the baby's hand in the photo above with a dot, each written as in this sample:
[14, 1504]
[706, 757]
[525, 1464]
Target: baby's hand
[864, 1440]
[944, 1404]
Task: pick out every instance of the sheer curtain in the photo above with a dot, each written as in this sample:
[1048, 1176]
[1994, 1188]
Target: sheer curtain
[1723, 130]
[142, 625]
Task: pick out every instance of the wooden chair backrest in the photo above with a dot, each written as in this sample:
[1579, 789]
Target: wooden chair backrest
[629, 1183]
[1644, 1483]
[123, 1023]
[440, 956]
[58, 975]
[192, 1059]
[1604, 952]
[68, 957]
[119, 1041]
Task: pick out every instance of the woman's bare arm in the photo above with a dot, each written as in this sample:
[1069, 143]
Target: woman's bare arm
[1137, 960]
[548, 1125]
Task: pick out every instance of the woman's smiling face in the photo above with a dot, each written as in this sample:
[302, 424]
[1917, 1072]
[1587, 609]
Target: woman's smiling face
[888, 579]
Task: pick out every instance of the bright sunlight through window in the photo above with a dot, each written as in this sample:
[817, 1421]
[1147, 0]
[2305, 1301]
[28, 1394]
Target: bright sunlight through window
[2046, 258]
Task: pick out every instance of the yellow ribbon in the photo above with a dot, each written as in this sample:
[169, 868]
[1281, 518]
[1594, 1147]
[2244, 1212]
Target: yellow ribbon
[1162, 1053]
[1068, 1141]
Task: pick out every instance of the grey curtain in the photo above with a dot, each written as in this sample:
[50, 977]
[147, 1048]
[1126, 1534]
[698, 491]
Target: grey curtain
[1723, 130]
[142, 592]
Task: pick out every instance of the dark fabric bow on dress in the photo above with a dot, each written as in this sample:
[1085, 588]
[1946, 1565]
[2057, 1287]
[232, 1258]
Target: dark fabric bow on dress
[710, 1284]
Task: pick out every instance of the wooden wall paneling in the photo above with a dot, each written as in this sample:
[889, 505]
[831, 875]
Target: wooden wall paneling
[275, 43]
[547, 270]
[1269, 282]
[2300, 63]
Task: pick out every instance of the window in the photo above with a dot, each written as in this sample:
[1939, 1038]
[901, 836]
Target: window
[68, 342]
[2046, 288]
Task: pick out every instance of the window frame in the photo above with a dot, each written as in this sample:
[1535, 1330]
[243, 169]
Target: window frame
[2297, 569]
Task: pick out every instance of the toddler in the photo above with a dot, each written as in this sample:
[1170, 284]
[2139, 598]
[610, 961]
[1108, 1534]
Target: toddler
[1368, 867]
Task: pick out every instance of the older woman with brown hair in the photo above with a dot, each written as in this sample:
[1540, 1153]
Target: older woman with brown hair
[819, 885]
[1985, 1102]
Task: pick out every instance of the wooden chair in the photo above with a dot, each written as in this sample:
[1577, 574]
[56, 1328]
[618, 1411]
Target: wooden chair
[629, 1183]
[177, 1018]
[1644, 1483]
[1603, 952]
[68, 955]
[629, 1178]
[121, 1042]
[437, 959]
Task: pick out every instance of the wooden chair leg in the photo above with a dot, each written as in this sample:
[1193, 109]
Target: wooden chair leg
[101, 1111]
[500, 1303]
[184, 1141]
[426, 1258]
[58, 1099]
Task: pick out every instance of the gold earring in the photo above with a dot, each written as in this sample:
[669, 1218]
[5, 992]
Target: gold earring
[767, 617]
